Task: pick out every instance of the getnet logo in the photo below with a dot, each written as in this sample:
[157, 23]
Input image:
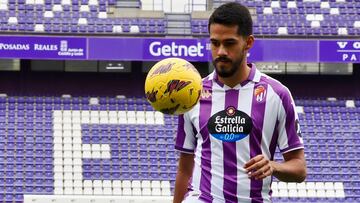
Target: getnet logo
[176, 49]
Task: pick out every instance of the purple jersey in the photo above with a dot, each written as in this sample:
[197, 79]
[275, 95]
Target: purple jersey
[228, 127]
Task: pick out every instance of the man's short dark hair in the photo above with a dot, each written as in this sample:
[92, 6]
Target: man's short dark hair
[231, 14]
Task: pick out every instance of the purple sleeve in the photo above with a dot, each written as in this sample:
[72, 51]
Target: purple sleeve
[289, 128]
[185, 138]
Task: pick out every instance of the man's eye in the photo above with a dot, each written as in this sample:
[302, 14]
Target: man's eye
[229, 43]
[215, 43]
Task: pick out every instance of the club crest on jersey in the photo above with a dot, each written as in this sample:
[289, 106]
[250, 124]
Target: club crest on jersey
[260, 93]
[205, 94]
[230, 125]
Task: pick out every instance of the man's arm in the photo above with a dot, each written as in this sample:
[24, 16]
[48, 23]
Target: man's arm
[293, 169]
[185, 169]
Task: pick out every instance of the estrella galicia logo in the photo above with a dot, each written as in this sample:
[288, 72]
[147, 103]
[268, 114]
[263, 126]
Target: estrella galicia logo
[230, 125]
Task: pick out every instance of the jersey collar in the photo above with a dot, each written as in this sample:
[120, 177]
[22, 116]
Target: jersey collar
[254, 76]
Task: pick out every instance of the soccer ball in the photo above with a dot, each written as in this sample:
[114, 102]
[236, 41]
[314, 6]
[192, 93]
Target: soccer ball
[173, 86]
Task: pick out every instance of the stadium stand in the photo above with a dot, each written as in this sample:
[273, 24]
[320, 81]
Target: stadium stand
[304, 17]
[64, 16]
[273, 18]
[112, 146]
[120, 150]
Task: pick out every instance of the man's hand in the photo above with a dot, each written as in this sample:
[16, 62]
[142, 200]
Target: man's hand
[259, 167]
[293, 169]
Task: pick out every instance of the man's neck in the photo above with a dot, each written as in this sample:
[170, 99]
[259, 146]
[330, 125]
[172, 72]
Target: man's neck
[240, 76]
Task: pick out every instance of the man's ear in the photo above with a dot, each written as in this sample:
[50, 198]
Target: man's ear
[249, 42]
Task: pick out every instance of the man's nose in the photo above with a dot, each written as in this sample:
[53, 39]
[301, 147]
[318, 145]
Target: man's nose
[221, 51]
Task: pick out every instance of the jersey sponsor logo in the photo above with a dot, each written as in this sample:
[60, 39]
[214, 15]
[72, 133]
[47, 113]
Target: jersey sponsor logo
[260, 93]
[230, 125]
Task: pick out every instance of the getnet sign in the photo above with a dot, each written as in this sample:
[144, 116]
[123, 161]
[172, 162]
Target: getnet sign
[42, 47]
[190, 49]
[154, 49]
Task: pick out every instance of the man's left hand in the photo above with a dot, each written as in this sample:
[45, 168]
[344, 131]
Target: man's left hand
[259, 167]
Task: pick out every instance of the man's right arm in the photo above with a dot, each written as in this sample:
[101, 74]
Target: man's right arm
[184, 173]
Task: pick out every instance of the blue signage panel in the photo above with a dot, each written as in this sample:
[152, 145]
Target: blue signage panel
[42, 47]
[153, 49]
[340, 51]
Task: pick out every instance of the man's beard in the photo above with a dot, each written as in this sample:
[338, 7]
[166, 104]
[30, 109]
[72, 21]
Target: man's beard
[222, 71]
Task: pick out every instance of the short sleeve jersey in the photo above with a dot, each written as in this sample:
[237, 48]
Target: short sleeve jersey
[228, 127]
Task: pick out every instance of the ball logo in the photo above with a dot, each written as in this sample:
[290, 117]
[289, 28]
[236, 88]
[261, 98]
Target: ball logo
[176, 85]
[163, 68]
[151, 96]
[230, 125]
[260, 93]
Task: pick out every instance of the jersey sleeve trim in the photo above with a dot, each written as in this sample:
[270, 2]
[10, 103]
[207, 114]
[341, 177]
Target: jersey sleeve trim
[292, 148]
[181, 149]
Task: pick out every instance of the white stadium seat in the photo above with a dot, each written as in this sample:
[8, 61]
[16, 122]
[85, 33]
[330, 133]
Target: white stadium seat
[126, 184]
[107, 191]
[357, 24]
[156, 192]
[134, 29]
[282, 31]
[275, 4]
[102, 15]
[315, 24]
[40, 28]
[12, 21]
[146, 184]
[117, 29]
[88, 184]
[291, 4]
[117, 191]
[93, 2]
[126, 191]
[116, 184]
[342, 31]
[324, 5]
[39, 2]
[268, 10]
[88, 191]
[57, 7]
[334, 11]
[65, 2]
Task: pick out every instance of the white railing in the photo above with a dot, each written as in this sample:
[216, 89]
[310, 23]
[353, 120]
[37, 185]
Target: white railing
[174, 6]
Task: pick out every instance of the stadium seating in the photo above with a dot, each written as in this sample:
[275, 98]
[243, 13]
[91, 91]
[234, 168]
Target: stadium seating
[299, 17]
[65, 16]
[113, 146]
[272, 18]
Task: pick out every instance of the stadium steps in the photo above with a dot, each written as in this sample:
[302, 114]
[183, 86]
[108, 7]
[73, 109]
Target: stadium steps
[178, 24]
[128, 4]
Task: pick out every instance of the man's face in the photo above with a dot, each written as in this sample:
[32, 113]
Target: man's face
[228, 49]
